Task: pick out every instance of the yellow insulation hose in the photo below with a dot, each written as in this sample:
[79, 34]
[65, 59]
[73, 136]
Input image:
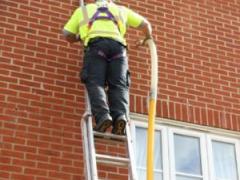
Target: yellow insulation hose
[152, 109]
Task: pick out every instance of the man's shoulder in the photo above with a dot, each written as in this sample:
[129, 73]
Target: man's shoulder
[90, 6]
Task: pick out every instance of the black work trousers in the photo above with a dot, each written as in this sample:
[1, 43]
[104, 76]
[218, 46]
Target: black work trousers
[106, 77]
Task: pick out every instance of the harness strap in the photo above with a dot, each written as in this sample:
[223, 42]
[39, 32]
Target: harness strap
[86, 21]
[116, 56]
[85, 17]
[120, 16]
[102, 54]
[97, 16]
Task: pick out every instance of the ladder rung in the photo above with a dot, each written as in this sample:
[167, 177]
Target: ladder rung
[109, 136]
[106, 159]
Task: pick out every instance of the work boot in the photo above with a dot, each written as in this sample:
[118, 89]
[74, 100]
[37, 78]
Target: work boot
[119, 126]
[103, 124]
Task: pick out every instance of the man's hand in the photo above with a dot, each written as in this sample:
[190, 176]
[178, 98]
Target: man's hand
[70, 37]
[142, 42]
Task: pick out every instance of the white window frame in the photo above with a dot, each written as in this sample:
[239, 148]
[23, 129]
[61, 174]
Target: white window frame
[164, 140]
[206, 134]
[222, 139]
[203, 152]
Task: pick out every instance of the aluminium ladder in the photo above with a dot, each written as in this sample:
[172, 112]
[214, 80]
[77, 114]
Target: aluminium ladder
[92, 158]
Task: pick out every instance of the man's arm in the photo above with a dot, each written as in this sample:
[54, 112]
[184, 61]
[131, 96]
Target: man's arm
[146, 28]
[70, 37]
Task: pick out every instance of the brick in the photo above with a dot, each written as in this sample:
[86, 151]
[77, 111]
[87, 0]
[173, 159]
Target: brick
[60, 161]
[37, 157]
[22, 177]
[38, 130]
[49, 152]
[16, 33]
[64, 96]
[165, 109]
[72, 170]
[171, 110]
[14, 140]
[27, 41]
[4, 175]
[45, 68]
[19, 88]
[6, 91]
[48, 167]
[35, 172]
[38, 104]
[10, 168]
[31, 71]
[5, 160]
[37, 144]
[54, 88]
[8, 79]
[60, 175]
[25, 163]
[29, 96]
[17, 100]
[190, 112]
[24, 134]
[21, 75]
[41, 92]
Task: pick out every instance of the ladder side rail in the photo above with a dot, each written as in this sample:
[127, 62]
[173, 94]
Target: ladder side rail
[130, 145]
[92, 150]
[87, 167]
[91, 160]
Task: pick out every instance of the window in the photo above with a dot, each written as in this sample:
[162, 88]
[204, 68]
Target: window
[141, 151]
[187, 157]
[187, 154]
[141, 154]
[224, 158]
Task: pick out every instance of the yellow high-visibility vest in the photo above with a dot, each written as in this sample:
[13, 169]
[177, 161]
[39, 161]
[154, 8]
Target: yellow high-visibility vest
[79, 22]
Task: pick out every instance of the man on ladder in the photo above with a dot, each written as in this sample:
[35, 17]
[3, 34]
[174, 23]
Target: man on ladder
[101, 27]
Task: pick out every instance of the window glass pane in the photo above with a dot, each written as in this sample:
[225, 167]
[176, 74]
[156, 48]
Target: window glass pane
[224, 160]
[141, 148]
[187, 178]
[141, 140]
[157, 176]
[187, 154]
[158, 151]
[141, 174]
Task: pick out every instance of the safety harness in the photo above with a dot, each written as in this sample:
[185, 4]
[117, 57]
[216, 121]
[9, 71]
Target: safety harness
[102, 12]
[108, 16]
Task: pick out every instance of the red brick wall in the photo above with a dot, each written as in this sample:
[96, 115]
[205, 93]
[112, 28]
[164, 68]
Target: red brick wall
[198, 47]
[42, 100]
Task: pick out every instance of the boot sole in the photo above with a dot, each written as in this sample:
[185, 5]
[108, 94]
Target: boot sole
[119, 127]
[103, 126]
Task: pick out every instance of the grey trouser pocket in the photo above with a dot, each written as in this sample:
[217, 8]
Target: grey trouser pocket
[128, 78]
